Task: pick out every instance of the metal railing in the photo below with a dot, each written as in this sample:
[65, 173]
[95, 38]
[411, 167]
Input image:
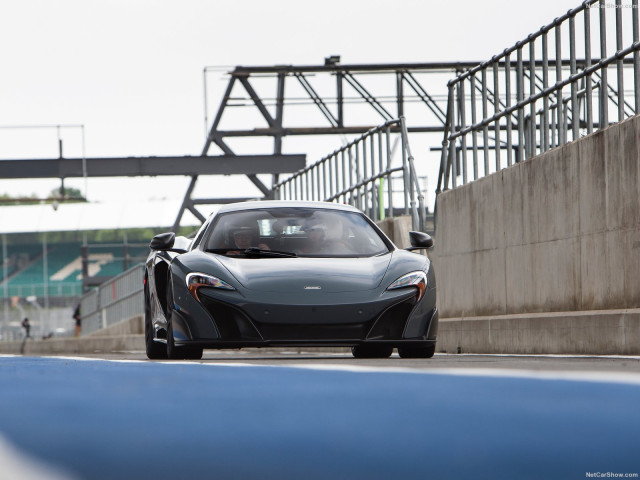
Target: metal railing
[117, 299]
[356, 175]
[541, 116]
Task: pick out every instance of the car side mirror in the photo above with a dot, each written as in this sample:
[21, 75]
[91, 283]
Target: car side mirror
[420, 241]
[163, 241]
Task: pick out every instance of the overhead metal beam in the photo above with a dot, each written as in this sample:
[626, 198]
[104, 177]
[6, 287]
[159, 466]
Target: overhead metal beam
[152, 166]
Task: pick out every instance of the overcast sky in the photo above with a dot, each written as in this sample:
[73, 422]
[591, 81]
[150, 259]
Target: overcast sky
[131, 71]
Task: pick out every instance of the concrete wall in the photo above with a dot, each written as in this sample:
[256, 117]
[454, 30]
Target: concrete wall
[556, 233]
[559, 232]
[397, 229]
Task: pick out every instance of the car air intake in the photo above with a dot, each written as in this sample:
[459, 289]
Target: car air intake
[390, 325]
[232, 324]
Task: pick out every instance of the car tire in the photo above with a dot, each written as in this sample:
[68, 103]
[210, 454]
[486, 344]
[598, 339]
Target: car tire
[371, 351]
[417, 352]
[155, 351]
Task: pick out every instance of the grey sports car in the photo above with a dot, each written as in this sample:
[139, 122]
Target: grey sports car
[276, 273]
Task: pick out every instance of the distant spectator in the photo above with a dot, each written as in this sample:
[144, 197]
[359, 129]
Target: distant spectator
[78, 318]
[27, 326]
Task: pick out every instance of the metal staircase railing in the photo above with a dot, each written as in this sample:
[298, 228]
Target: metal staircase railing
[356, 174]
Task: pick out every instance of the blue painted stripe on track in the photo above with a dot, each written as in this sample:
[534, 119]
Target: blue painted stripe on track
[104, 419]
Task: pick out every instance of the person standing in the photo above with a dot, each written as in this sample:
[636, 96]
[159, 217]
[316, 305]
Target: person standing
[78, 318]
[27, 327]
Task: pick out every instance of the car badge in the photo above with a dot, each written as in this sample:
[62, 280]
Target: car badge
[312, 287]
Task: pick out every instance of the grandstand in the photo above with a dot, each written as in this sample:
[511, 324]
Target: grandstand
[62, 275]
[41, 260]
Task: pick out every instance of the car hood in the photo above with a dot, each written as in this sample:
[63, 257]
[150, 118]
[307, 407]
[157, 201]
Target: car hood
[287, 275]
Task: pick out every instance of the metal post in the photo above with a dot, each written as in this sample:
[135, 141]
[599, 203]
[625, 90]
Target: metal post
[545, 101]
[357, 173]
[520, 98]
[474, 137]
[532, 106]
[636, 55]
[400, 93]
[587, 58]
[575, 108]
[604, 85]
[374, 203]
[619, 61]
[381, 181]
[365, 175]
[485, 114]
[125, 252]
[496, 110]
[389, 178]
[5, 280]
[45, 271]
[507, 83]
[463, 124]
[405, 174]
[559, 109]
[339, 77]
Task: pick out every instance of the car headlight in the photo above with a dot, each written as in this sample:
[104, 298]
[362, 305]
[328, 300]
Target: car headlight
[197, 280]
[414, 279]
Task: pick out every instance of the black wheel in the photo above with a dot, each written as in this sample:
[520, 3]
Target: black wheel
[180, 353]
[155, 351]
[417, 352]
[371, 351]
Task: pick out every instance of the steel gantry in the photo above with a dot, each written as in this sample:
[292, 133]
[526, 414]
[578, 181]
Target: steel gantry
[298, 86]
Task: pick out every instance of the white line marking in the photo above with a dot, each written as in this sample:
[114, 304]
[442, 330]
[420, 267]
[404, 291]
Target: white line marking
[629, 378]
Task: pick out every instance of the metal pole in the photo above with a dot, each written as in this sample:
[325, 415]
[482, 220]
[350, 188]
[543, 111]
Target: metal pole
[520, 98]
[575, 108]
[545, 100]
[507, 83]
[381, 184]
[405, 174]
[560, 122]
[374, 203]
[496, 110]
[45, 271]
[389, 178]
[532, 105]
[636, 55]
[587, 58]
[5, 275]
[619, 62]
[604, 85]
[463, 124]
[474, 137]
[485, 115]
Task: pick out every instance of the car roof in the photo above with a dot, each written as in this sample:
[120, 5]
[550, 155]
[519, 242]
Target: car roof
[264, 204]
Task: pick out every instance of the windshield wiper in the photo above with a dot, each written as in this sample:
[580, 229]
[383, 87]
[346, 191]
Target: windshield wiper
[258, 252]
[251, 252]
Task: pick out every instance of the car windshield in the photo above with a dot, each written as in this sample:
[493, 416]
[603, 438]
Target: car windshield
[294, 231]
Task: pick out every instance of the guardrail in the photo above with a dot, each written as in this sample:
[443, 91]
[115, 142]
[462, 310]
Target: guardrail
[542, 117]
[117, 299]
[356, 174]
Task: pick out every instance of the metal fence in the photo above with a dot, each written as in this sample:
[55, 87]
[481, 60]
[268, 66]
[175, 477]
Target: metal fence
[556, 100]
[117, 299]
[53, 289]
[356, 174]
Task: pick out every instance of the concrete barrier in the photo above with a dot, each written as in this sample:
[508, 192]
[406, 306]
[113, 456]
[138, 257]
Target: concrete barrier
[594, 332]
[557, 235]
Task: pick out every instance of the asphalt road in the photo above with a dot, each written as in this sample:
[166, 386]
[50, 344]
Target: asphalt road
[268, 415]
[342, 357]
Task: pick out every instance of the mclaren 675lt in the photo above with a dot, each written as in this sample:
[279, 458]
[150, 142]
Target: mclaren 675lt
[284, 273]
